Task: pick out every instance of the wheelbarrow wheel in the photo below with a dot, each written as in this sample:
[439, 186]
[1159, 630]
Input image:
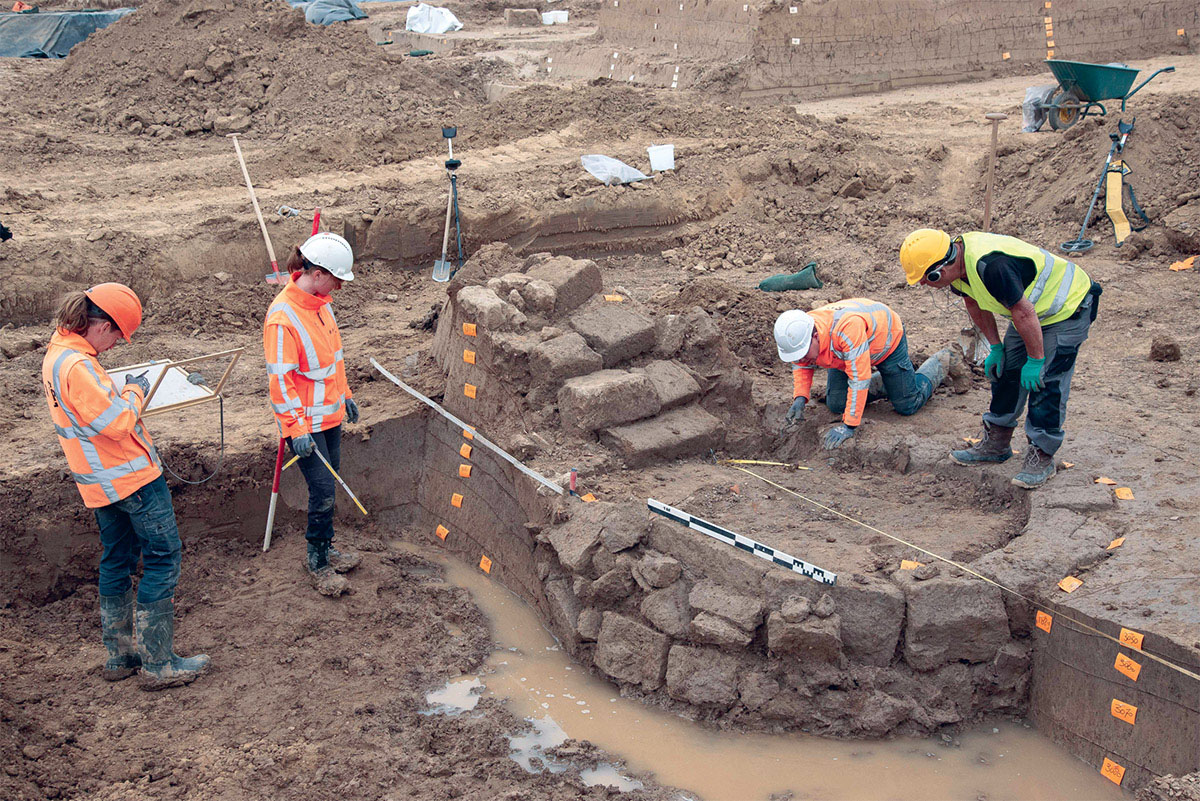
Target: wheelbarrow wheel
[1066, 111]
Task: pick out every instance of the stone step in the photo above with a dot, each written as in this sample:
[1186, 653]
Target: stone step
[679, 432]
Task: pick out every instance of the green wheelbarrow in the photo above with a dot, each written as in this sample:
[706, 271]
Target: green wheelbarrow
[1081, 87]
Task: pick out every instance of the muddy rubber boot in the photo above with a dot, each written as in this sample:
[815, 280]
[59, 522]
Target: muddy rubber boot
[161, 666]
[1037, 470]
[116, 630]
[343, 561]
[994, 447]
[324, 578]
[937, 367]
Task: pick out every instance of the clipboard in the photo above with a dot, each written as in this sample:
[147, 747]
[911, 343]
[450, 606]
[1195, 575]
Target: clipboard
[170, 389]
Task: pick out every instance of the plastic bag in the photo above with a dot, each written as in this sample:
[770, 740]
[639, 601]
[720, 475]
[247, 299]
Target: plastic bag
[327, 12]
[1033, 116]
[611, 171]
[424, 18]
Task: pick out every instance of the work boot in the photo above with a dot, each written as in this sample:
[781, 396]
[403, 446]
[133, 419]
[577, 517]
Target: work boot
[324, 578]
[161, 666]
[1037, 470]
[993, 447]
[116, 630]
[937, 367]
[343, 561]
[875, 389]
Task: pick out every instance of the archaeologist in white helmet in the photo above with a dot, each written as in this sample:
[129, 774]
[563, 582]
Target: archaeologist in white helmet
[862, 343]
[306, 375]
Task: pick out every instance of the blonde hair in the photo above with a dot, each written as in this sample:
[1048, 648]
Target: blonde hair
[76, 311]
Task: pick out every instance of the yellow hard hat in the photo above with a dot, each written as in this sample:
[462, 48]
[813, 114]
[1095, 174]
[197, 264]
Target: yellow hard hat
[921, 250]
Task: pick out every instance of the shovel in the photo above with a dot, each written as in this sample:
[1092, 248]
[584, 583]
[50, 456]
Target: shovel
[443, 268]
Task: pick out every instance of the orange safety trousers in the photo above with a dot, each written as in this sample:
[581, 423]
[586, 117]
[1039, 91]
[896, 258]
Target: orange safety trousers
[852, 335]
[306, 374]
[108, 450]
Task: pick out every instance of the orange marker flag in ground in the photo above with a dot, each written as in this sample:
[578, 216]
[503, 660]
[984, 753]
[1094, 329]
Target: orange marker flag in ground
[1178, 266]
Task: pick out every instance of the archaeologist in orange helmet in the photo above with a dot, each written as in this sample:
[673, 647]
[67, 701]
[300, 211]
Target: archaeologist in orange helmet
[852, 338]
[1050, 303]
[307, 379]
[118, 473]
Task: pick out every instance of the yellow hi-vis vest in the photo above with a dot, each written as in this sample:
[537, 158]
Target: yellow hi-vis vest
[1057, 289]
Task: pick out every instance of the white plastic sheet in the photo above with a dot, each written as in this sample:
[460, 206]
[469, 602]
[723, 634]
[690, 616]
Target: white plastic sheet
[424, 18]
[1032, 113]
[611, 171]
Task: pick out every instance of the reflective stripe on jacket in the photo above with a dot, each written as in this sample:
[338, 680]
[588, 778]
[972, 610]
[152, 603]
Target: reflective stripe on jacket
[305, 370]
[108, 450]
[852, 335]
[1057, 289]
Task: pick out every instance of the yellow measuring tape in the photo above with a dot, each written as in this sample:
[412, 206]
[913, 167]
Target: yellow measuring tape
[345, 486]
[758, 461]
[962, 567]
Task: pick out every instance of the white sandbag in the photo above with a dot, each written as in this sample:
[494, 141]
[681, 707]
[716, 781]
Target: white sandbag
[611, 171]
[1032, 113]
[424, 18]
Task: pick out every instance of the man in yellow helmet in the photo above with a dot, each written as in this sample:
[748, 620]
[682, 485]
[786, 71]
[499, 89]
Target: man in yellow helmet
[1051, 303]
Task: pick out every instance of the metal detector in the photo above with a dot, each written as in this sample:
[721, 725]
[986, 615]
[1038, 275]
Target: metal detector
[1080, 243]
[443, 270]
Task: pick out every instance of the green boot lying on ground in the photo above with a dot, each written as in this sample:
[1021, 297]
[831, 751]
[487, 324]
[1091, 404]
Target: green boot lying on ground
[804, 279]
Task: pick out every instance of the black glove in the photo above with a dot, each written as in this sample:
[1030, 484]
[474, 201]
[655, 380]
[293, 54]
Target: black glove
[139, 381]
[351, 411]
[5, 234]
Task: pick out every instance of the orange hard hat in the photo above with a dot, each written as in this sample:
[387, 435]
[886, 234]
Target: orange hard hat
[121, 304]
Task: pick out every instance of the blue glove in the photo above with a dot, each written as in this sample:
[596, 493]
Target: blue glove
[139, 381]
[351, 411]
[796, 412]
[303, 445]
[1031, 375]
[835, 436]
[993, 365]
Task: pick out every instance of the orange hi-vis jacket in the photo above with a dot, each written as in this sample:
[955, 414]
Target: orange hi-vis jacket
[107, 448]
[305, 371]
[852, 335]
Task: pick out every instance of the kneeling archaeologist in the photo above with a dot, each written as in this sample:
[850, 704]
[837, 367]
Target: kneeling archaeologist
[306, 375]
[1051, 303]
[118, 473]
[850, 337]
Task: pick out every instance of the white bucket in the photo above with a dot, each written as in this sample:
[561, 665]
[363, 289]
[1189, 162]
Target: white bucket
[662, 157]
[554, 17]
[547, 17]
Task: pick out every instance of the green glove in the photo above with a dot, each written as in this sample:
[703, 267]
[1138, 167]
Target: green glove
[993, 365]
[1031, 375]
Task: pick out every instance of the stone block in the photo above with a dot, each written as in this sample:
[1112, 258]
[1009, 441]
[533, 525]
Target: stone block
[741, 610]
[667, 609]
[574, 542]
[558, 359]
[679, 432]
[952, 620]
[574, 280]
[658, 570]
[1077, 494]
[796, 609]
[588, 624]
[631, 652]
[539, 296]
[702, 676]
[707, 627]
[673, 383]
[814, 639]
[872, 616]
[606, 398]
[615, 332]
[620, 537]
[612, 587]
[564, 607]
[522, 17]
[484, 307]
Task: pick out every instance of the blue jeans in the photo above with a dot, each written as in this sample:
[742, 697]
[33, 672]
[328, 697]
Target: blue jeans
[321, 486]
[907, 391]
[142, 524]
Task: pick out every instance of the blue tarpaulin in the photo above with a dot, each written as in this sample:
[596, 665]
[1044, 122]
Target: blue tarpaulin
[51, 34]
[327, 12]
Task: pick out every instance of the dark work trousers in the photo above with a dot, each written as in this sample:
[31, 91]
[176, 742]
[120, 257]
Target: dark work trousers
[1047, 406]
[321, 486]
[907, 391]
[141, 525]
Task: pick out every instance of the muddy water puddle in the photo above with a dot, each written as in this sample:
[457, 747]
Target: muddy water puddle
[536, 678]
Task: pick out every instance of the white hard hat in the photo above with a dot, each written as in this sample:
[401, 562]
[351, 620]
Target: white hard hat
[331, 253]
[793, 334]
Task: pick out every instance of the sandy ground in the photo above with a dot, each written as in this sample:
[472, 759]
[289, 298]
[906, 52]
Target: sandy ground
[311, 699]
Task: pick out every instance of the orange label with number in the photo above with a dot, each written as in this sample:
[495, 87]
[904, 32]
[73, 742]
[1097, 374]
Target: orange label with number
[1117, 543]
[465, 451]
[1127, 666]
[469, 329]
[1131, 639]
[456, 500]
[469, 356]
[909, 564]
[589, 498]
[1124, 711]
[469, 390]
[1070, 584]
[1044, 621]
[485, 564]
[1112, 771]
[442, 532]
[468, 433]
[464, 471]
[614, 298]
